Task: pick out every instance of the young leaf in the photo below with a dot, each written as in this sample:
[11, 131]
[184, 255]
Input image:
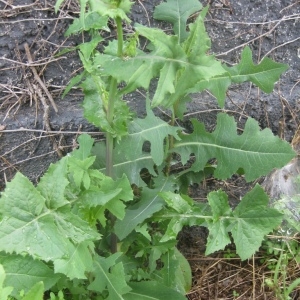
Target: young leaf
[112, 9]
[110, 276]
[4, 291]
[153, 290]
[85, 147]
[177, 12]
[23, 272]
[256, 152]
[167, 59]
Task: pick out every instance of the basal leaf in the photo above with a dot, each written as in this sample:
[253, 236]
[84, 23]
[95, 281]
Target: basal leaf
[110, 276]
[253, 220]
[30, 227]
[23, 272]
[177, 12]
[151, 129]
[256, 151]
[153, 290]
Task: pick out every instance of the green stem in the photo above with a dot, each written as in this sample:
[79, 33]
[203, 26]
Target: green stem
[171, 140]
[110, 118]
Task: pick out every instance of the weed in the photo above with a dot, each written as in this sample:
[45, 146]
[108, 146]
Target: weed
[92, 227]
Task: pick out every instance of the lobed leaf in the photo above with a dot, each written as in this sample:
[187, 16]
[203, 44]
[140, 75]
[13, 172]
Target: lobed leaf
[41, 224]
[254, 219]
[167, 60]
[177, 12]
[248, 223]
[110, 276]
[256, 151]
[122, 165]
[149, 203]
[151, 129]
[23, 272]
[264, 75]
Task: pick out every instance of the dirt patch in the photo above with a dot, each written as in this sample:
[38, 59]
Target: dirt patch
[34, 135]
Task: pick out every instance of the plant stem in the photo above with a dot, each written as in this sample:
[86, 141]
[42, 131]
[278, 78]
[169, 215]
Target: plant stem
[171, 140]
[109, 136]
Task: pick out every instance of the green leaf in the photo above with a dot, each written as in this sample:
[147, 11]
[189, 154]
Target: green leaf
[31, 227]
[53, 189]
[218, 236]
[95, 107]
[122, 165]
[254, 219]
[264, 75]
[176, 272]
[110, 276]
[23, 272]
[146, 290]
[256, 151]
[80, 170]
[149, 203]
[110, 195]
[92, 20]
[4, 291]
[177, 12]
[36, 292]
[85, 147]
[167, 60]
[248, 223]
[112, 9]
[57, 5]
[151, 129]
[77, 262]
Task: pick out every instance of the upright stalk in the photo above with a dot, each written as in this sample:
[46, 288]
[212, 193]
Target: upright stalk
[110, 118]
[170, 144]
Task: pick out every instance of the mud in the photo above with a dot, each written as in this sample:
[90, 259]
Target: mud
[271, 28]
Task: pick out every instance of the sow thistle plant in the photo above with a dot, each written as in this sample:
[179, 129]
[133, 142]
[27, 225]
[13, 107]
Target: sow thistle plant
[93, 227]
